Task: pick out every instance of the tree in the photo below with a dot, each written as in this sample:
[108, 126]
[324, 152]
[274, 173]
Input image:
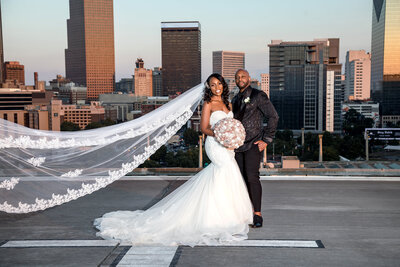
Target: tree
[352, 147]
[330, 153]
[108, 122]
[354, 123]
[69, 126]
[185, 159]
[95, 124]
[191, 137]
[160, 154]
[284, 142]
[285, 135]
[149, 164]
[353, 143]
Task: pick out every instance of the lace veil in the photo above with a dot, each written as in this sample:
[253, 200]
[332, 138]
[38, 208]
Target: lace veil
[42, 169]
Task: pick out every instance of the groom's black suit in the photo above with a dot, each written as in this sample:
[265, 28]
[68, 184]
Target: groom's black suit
[250, 107]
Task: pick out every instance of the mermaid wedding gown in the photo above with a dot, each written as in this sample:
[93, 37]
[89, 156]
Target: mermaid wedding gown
[212, 207]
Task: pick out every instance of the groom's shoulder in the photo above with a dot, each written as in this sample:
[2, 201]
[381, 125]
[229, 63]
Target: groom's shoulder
[257, 92]
[234, 97]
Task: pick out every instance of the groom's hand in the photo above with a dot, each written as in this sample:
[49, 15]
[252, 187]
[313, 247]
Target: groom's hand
[261, 145]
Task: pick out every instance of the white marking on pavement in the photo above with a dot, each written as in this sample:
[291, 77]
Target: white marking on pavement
[111, 243]
[272, 243]
[59, 243]
[153, 255]
[157, 256]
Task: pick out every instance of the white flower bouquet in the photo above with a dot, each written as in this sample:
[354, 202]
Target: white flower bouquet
[229, 132]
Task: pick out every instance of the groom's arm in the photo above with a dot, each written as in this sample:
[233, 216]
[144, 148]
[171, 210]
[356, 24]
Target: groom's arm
[269, 112]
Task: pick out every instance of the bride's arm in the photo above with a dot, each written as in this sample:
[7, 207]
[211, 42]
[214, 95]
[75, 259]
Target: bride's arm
[205, 126]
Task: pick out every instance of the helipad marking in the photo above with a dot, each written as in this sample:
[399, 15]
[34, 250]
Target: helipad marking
[111, 243]
[139, 256]
[155, 255]
[274, 243]
[59, 243]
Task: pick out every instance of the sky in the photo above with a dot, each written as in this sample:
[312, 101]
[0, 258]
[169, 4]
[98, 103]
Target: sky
[35, 31]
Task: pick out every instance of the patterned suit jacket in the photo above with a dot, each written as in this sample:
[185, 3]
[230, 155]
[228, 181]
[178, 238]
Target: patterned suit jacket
[250, 107]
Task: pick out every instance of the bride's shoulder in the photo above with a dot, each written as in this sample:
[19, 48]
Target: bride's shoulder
[207, 105]
[207, 108]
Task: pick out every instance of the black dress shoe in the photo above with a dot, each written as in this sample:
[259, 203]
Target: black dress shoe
[257, 221]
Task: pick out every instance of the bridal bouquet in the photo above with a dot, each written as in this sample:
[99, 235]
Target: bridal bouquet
[229, 132]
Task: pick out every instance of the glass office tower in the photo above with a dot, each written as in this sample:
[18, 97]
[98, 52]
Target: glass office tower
[181, 56]
[385, 55]
[298, 82]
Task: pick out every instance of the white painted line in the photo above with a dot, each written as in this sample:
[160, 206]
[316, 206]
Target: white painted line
[272, 243]
[59, 243]
[147, 250]
[149, 256]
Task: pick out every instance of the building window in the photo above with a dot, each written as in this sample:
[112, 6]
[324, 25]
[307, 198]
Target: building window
[15, 118]
[5, 116]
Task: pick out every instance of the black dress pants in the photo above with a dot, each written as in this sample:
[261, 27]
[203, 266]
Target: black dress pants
[249, 165]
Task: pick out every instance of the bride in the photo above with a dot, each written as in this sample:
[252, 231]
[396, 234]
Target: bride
[212, 207]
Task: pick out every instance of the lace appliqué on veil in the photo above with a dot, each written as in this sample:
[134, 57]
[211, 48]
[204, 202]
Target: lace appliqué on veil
[36, 161]
[100, 182]
[9, 184]
[49, 143]
[71, 174]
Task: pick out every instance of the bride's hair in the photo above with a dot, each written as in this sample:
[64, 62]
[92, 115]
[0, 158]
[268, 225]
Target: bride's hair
[225, 93]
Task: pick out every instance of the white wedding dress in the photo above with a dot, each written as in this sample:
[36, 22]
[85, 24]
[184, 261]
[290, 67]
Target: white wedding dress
[212, 207]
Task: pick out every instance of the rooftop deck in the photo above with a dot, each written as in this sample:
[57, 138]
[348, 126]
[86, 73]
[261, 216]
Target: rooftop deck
[308, 222]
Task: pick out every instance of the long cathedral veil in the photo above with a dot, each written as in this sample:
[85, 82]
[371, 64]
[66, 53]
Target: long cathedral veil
[42, 169]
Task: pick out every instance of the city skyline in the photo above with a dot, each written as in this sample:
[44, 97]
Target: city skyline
[137, 30]
[90, 55]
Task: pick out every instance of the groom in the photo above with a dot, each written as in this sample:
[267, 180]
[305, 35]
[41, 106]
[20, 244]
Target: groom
[250, 106]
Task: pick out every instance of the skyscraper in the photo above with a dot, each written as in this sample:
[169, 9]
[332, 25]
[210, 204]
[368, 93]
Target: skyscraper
[1, 51]
[143, 79]
[181, 56]
[265, 83]
[358, 75]
[385, 55]
[89, 58]
[13, 71]
[157, 81]
[227, 63]
[298, 82]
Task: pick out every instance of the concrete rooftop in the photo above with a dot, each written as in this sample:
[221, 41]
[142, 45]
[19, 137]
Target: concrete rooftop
[352, 223]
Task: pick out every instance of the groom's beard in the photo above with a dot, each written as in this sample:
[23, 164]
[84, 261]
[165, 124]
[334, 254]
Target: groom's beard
[243, 85]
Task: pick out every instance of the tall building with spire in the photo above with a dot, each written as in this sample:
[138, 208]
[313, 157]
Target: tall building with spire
[181, 56]
[89, 58]
[385, 55]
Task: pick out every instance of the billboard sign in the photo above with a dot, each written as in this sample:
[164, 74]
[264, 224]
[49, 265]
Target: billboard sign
[383, 133]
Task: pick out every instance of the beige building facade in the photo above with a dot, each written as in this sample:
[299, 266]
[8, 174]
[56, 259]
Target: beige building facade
[265, 83]
[358, 75]
[143, 79]
[227, 63]
[81, 115]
